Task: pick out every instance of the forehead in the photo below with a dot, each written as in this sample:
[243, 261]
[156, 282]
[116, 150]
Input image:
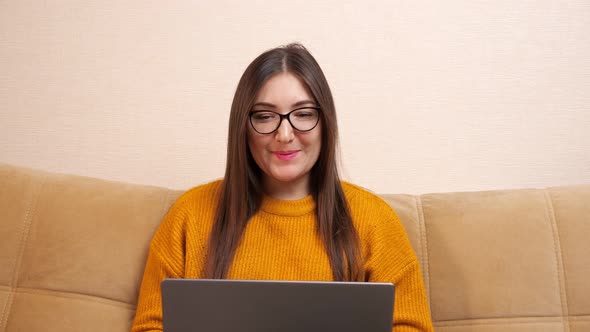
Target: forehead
[284, 89]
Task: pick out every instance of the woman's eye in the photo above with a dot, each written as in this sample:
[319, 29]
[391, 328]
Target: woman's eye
[303, 114]
[264, 116]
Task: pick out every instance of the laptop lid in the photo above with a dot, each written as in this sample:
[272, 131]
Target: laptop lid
[288, 306]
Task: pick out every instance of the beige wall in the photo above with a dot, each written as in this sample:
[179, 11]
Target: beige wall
[431, 95]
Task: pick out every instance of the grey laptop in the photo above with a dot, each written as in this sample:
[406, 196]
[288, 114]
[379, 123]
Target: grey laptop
[287, 306]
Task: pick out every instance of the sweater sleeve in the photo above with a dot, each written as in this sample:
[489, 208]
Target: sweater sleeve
[392, 259]
[165, 260]
[411, 310]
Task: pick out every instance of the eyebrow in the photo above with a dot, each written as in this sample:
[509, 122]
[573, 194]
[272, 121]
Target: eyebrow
[299, 103]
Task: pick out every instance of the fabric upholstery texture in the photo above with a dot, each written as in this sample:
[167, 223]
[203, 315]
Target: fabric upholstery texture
[73, 249]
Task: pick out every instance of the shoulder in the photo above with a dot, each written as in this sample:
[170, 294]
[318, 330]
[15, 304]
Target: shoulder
[371, 215]
[198, 197]
[363, 201]
[380, 230]
[195, 207]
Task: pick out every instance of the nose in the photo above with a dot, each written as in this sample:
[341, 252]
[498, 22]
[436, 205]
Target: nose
[285, 133]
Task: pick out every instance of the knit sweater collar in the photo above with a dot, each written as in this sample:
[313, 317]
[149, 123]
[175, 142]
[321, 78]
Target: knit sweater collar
[288, 208]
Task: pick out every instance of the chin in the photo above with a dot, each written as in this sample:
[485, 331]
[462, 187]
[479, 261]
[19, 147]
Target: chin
[286, 177]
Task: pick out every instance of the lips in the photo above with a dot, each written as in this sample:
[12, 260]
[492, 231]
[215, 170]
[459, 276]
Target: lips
[286, 155]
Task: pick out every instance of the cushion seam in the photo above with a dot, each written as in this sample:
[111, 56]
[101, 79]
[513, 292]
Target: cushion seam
[500, 321]
[27, 221]
[558, 259]
[74, 296]
[424, 243]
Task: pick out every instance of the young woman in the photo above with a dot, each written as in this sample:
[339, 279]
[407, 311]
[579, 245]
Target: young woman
[281, 211]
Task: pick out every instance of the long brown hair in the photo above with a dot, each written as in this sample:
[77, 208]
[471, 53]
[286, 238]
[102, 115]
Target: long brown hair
[241, 191]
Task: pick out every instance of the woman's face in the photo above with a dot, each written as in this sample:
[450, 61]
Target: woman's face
[286, 155]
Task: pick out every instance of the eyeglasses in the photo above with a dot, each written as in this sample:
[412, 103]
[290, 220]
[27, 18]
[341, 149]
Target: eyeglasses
[301, 119]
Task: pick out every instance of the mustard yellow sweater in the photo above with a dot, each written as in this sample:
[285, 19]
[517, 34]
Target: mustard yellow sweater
[280, 243]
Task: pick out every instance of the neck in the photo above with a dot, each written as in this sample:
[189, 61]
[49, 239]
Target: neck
[292, 190]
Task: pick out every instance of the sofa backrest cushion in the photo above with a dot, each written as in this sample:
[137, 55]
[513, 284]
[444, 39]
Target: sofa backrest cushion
[506, 260]
[72, 250]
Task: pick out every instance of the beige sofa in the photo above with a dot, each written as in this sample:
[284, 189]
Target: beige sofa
[72, 251]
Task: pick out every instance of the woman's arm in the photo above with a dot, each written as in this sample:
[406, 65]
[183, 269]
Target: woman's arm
[411, 310]
[392, 259]
[165, 260]
[148, 316]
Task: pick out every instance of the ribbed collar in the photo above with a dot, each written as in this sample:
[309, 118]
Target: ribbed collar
[286, 208]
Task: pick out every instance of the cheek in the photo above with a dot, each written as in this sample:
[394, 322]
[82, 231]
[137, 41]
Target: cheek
[313, 143]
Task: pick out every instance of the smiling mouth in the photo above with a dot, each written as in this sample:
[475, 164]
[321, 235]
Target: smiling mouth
[286, 155]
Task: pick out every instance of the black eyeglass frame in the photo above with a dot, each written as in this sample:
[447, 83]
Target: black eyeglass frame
[286, 116]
